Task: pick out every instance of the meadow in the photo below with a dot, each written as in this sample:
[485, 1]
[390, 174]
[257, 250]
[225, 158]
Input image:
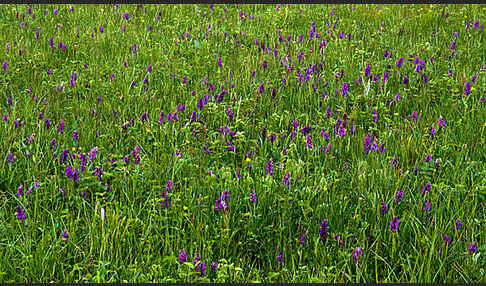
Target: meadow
[242, 143]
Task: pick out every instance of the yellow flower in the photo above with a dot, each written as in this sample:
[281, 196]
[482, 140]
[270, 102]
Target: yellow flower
[337, 180]
[484, 124]
[472, 88]
[185, 208]
[396, 114]
[247, 159]
[74, 149]
[147, 130]
[187, 141]
[102, 10]
[325, 188]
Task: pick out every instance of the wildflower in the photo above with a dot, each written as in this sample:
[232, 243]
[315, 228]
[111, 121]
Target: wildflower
[473, 248]
[357, 253]
[458, 224]
[467, 88]
[68, 172]
[10, 157]
[447, 239]
[328, 147]
[229, 112]
[84, 161]
[262, 88]
[64, 156]
[201, 268]
[394, 224]
[230, 146]
[149, 68]
[344, 88]
[385, 77]
[182, 256]
[253, 196]
[398, 197]
[221, 204]
[405, 80]
[427, 158]
[279, 258]
[269, 167]
[165, 199]
[75, 135]
[341, 131]
[324, 230]
[427, 206]
[169, 185]
[437, 164]
[20, 190]
[382, 148]
[414, 115]
[31, 138]
[65, 235]
[367, 144]
[272, 138]
[20, 213]
[286, 180]
[143, 117]
[197, 258]
[302, 239]
[383, 209]
[453, 46]
[441, 122]
[136, 154]
[367, 70]
[426, 188]
[308, 143]
[219, 62]
[4, 65]
[98, 172]
[214, 266]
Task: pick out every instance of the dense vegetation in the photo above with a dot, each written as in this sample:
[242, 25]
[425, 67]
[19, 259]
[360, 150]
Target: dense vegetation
[246, 143]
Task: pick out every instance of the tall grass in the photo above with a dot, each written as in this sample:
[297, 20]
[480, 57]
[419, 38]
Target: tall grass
[126, 222]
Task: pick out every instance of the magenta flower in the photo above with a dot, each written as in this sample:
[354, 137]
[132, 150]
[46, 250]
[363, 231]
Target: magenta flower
[394, 224]
[358, 252]
[473, 248]
[253, 196]
[10, 157]
[20, 214]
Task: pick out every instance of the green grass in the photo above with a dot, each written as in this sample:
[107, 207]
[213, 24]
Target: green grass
[139, 240]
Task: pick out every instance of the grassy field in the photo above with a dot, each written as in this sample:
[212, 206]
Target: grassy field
[248, 143]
